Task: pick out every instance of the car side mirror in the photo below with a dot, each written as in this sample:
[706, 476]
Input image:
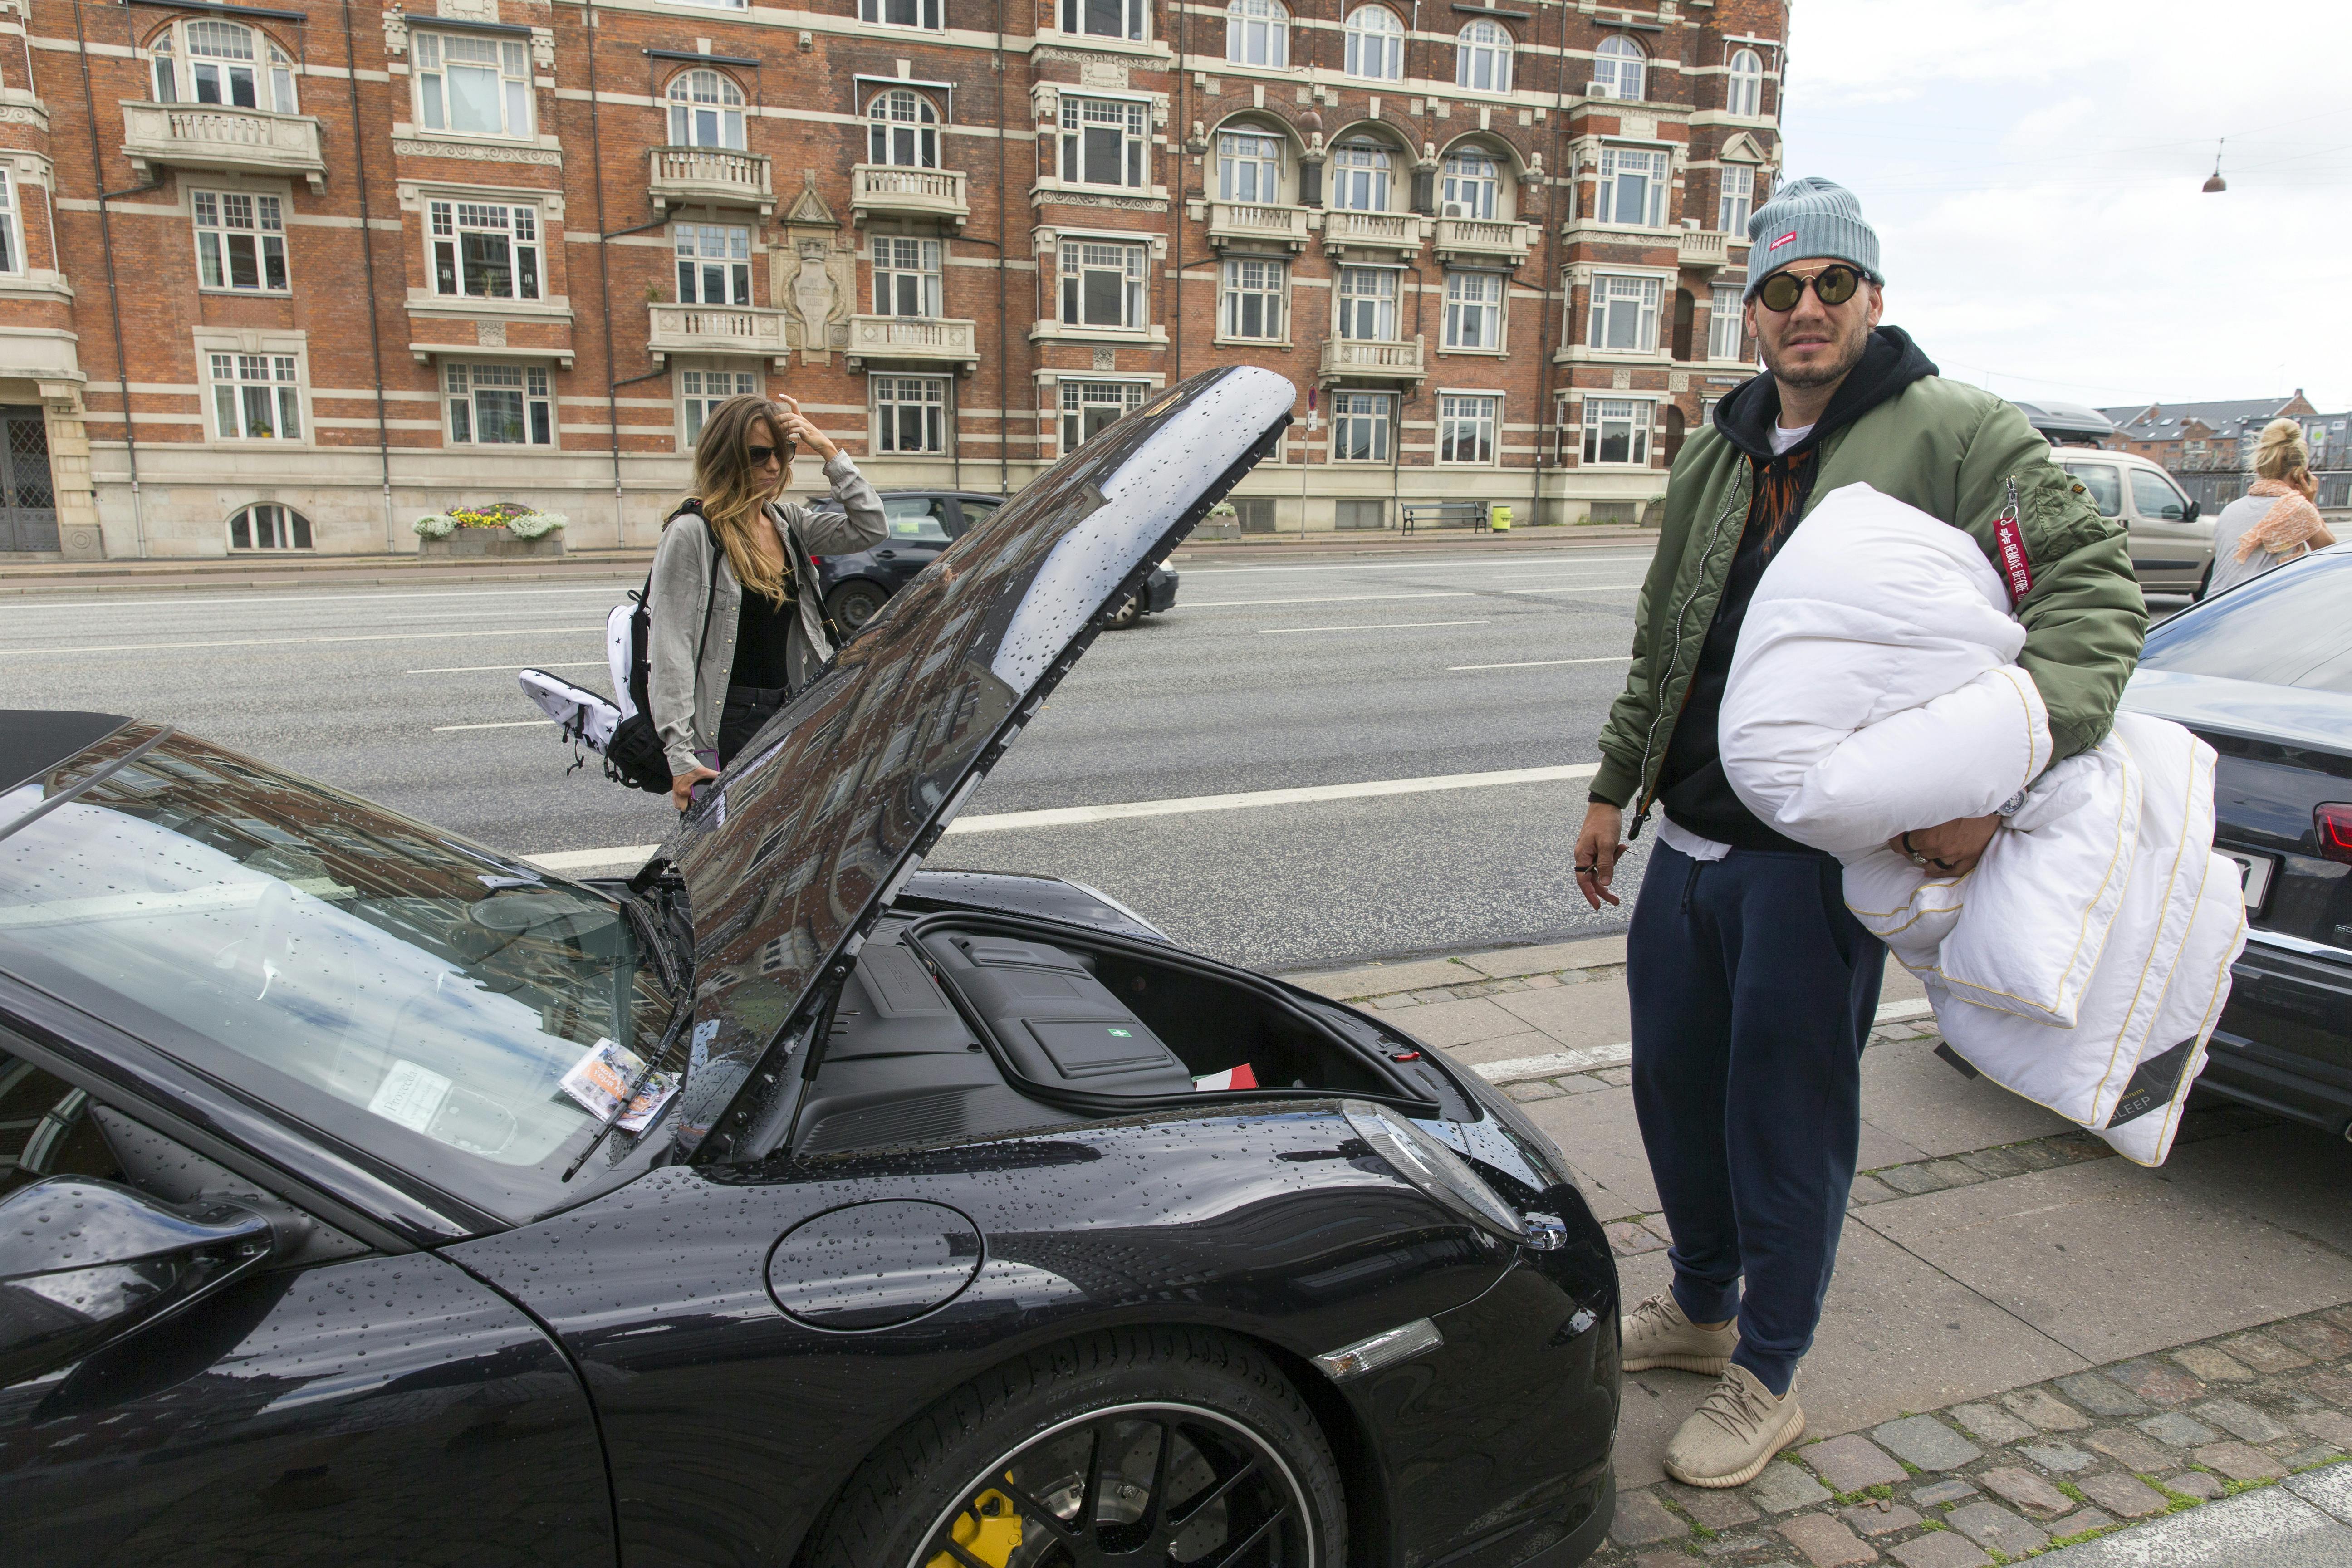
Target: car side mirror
[83, 1261]
[2194, 507]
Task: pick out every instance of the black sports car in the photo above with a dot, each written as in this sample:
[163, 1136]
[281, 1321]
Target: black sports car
[374, 1196]
[921, 524]
[2263, 673]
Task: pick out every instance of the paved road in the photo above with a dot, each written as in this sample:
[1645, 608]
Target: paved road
[1267, 675]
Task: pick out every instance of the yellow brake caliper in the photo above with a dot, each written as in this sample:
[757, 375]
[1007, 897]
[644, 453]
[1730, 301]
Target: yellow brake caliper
[990, 1529]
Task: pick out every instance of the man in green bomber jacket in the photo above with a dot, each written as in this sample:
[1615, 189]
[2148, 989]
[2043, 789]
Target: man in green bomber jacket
[1752, 985]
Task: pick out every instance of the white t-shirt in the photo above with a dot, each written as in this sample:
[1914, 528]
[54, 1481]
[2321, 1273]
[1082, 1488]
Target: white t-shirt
[1784, 439]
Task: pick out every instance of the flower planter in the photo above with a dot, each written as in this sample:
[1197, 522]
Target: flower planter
[495, 542]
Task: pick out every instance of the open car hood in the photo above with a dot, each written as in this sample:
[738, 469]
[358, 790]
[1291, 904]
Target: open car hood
[799, 847]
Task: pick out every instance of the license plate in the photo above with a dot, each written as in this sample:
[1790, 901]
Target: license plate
[2254, 876]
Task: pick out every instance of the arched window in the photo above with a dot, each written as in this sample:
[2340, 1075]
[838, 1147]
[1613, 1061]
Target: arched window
[1249, 167]
[1472, 180]
[706, 109]
[1745, 92]
[1618, 67]
[226, 62]
[902, 129]
[268, 527]
[1361, 176]
[1257, 33]
[1482, 57]
[1375, 44]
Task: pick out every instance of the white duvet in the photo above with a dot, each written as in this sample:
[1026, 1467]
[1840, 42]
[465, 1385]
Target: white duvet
[2083, 961]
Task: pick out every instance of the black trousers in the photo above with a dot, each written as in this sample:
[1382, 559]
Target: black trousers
[746, 709]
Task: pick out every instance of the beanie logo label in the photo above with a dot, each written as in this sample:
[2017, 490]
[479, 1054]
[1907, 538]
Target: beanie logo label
[1787, 238]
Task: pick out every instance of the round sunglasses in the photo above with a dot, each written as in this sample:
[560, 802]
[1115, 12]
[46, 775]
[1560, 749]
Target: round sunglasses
[1831, 286]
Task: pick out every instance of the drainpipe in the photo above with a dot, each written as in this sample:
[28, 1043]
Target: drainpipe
[1003, 368]
[1552, 224]
[367, 262]
[604, 278]
[114, 298]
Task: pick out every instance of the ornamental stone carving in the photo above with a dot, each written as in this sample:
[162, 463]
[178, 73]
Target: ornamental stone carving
[813, 277]
[395, 32]
[476, 152]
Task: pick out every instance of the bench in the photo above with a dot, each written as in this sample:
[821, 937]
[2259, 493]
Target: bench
[1470, 514]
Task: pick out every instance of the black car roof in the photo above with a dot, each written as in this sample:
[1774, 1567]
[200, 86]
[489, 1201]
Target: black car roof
[35, 739]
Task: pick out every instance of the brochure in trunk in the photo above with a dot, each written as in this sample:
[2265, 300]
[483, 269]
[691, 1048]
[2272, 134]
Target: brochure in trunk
[797, 850]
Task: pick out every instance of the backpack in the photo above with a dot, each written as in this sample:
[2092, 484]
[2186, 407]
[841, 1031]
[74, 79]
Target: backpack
[635, 755]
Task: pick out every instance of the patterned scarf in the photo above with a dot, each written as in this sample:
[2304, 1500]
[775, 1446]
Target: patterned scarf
[2288, 525]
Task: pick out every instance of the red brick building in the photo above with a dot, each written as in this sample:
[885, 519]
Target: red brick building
[287, 276]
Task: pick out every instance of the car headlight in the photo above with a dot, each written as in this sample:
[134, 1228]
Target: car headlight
[1443, 1174]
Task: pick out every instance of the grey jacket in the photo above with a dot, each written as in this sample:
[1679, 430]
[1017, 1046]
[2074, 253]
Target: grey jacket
[686, 696]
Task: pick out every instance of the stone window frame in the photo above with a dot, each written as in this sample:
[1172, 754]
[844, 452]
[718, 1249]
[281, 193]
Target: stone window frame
[14, 261]
[1594, 415]
[1452, 409]
[537, 387]
[1232, 291]
[690, 419]
[1495, 45]
[1382, 413]
[237, 344]
[267, 225]
[1387, 41]
[887, 389]
[517, 83]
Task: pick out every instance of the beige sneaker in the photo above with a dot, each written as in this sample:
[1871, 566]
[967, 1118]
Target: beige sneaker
[1734, 1432]
[1657, 1334]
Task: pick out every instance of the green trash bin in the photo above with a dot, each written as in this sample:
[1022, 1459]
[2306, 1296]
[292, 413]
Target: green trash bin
[1499, 518]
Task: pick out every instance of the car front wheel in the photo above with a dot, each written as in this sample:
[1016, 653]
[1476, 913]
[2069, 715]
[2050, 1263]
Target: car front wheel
[1129, 610]
[855, 603]
[1170, 1446]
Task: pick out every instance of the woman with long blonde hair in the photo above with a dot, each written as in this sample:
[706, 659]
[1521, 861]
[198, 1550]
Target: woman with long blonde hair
[738, 627]
[2274, 520]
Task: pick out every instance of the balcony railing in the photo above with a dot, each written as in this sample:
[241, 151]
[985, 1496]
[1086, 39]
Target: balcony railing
[1370, 231]
[716, 176]
[212, 137]
[923, 339]
[1246, 222]
[1484, 238]
[1379, 361]
[1701, 249]
[717, 329]
[907, 193]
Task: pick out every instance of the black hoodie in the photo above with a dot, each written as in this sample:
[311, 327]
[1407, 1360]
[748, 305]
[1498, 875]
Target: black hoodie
[1692, 788]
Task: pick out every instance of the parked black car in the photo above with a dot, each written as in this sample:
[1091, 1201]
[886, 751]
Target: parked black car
[375, 1196]
[2263, 673]
[921, 524]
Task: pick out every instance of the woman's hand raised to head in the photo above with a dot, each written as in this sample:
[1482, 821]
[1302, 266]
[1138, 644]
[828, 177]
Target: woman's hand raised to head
[801, 431]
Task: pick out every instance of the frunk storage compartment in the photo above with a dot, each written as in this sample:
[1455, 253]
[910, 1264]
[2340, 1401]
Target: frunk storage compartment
[1056, 1022]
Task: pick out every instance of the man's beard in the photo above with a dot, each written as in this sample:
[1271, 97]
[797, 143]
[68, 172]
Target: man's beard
[1824, 375]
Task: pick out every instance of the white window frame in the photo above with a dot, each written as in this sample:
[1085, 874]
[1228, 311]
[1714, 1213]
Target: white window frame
[1375, 46]
[249, 388]
[1132, 264]
[1080, 395]
[532, 385]
[1474, 311]
[1743, 89]
[180, 52]
[1620, 70]
[1363, 419]
[1652, 165]
[447, 219]
[1613, 293]
[1249, 167]
[1352, 300]
[1257, 33]
[923, 15]
[1726, 323]
[700, 389]
[1365, 169]
[1473, 181]
[902, 403]
[1128, 119]
[223, 223]
[1071, 18]
[1634, 413]
[713, 257]
[902, 121]
[907, 264]
[13, 262]
[506, 61]
[1735, 200]
[1245, 280]
[715, 4]
[295, 528]
[705, 103]
[1468, 427]
[1482, 56]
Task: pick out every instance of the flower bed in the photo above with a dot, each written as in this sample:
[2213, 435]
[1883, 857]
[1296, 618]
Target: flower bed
[502, 528]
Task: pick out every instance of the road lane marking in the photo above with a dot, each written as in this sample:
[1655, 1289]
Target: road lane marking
[507, 725]
[1547, 561]
[149, 599]
[478, 669]
[287, 642]
[1591, 1059]
[1375, 626]
[1074, 816]
[1539, 663]
[1375, 599]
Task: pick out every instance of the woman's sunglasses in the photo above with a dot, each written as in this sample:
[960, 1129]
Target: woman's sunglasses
[760, 457]
[1831, 286]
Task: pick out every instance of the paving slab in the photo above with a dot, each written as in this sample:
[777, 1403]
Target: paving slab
[1518, 1047]
[1826, 1542]
[1941, 1549]
[2130, 1449]
[2240, 1419]
[2329, 1426]
[1910, 1092]
[1642, 1519]
[1384, 979]
[2190, 1266]
[2210, 1364]
[1996, 1528]
[1713, 1506]
[1507, 962]
[1599, 1135]
[2177, 1430]
[2025, 1489]
[2289, 1175]
[1455, 1023]
[1924, 1441]
[2239, 1461]
[2264, 1353]
[2102, 1395]
[2269, 1527]
[2079, 1522]
[1874, 1519]
[2045, 1410]
[2158, 1382]
[1936, 1494]
[2316, 1337]
[2126, 1494]
[2330, 1488]
[1573, 1015]
[1780, 1487]
[1990, 1423]
[2197, 1484]
[1851, 1462]
[2059, 1459]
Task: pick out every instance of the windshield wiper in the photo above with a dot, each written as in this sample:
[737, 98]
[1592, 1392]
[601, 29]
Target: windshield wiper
[681, 1014]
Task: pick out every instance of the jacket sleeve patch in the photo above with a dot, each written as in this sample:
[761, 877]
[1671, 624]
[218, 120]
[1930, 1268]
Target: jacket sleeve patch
[2056, 520]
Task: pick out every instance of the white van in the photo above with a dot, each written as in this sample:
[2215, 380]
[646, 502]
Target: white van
[2171, 547]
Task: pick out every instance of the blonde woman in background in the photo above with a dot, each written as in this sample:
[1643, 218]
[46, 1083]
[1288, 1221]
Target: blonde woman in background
[2274, 520]
[734, 548]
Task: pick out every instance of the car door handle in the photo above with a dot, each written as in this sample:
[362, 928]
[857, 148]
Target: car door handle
[885, 555]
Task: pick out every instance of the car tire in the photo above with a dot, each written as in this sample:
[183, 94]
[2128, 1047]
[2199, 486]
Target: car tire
[1130, 611]
[949, 1473]
[854, 603]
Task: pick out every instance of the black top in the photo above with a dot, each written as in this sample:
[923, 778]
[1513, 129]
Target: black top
[763, 630]
[1692, 787]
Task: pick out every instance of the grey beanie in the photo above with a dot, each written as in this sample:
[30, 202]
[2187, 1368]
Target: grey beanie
[1809, 218]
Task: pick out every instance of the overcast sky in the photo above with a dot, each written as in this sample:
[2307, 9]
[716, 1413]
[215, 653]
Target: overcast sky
[2034, 170]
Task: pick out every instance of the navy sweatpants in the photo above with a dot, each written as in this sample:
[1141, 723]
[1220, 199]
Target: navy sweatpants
[1753, 989]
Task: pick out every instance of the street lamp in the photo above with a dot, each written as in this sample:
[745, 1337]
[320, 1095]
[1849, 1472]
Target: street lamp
[2214, 182]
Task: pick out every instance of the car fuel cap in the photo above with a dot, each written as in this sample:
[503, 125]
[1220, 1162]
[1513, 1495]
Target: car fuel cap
[873, 1266]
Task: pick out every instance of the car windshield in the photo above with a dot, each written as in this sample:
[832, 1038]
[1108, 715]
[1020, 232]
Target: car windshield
[2290, 626]
[416, 997]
